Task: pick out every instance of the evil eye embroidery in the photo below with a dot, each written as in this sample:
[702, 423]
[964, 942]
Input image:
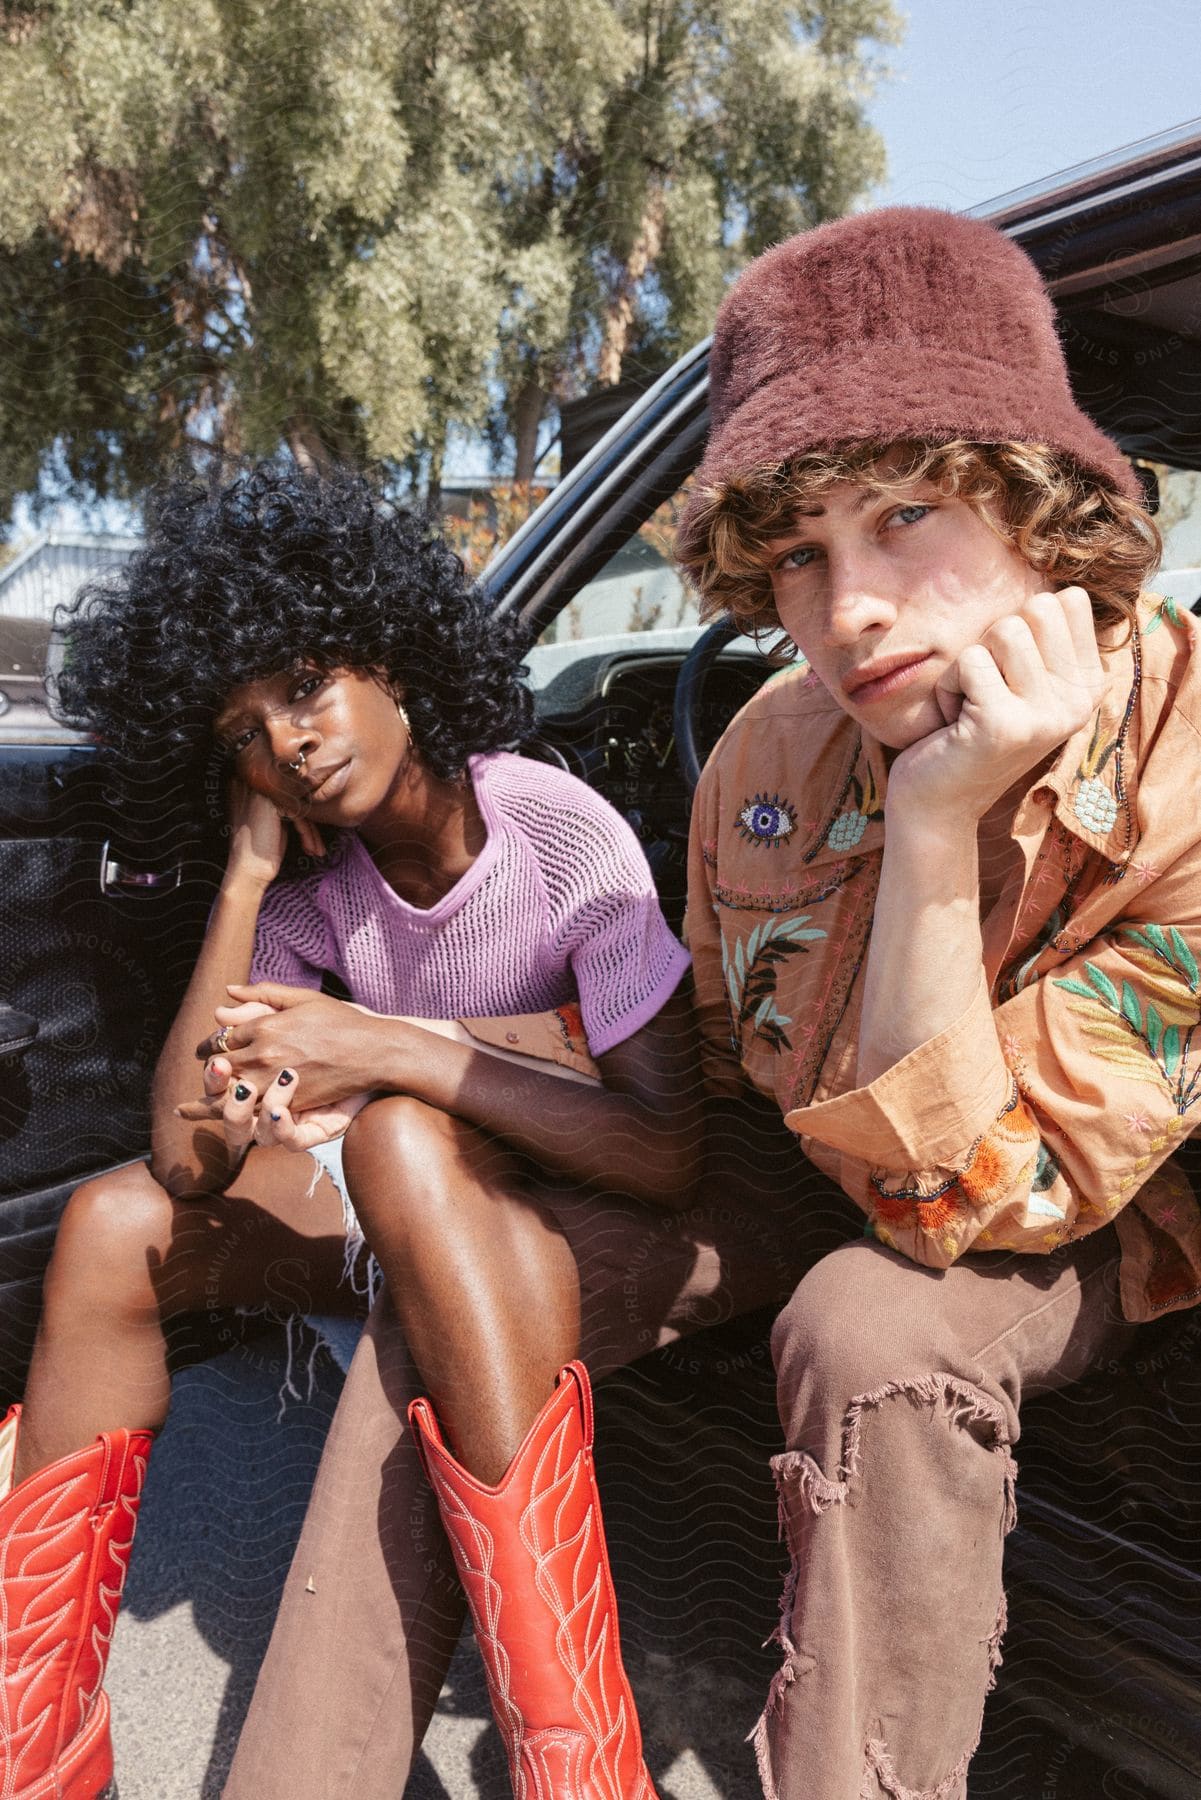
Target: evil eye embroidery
[765, 820]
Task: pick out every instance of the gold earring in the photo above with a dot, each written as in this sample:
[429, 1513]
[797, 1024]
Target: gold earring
[404, 717]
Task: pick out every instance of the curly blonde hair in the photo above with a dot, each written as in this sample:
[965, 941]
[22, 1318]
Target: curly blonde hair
[1062, 521]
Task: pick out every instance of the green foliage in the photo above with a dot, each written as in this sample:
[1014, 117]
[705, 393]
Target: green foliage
[237, 225]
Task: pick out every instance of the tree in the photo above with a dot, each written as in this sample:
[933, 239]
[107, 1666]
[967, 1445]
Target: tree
[720, 126]
[348, 228]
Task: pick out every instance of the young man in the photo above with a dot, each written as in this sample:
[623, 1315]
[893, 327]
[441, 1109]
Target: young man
[945, 911]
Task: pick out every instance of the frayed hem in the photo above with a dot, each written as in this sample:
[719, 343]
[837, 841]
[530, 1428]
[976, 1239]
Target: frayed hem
[968, 1405]
[304, 1333]
[758, 1737]
[802, 1486]
[878, 1769]
[295, 1327]
[355, 1244]
[993, 1646]
[783, 1678]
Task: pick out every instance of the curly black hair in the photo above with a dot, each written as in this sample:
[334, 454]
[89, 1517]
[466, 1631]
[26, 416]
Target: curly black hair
[280, 567]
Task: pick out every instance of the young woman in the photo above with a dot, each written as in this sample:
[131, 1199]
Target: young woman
[945, 916]
[356, 691]
[945, 911]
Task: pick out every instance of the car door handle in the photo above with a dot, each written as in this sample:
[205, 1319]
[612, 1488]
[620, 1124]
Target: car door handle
[17, 1030]
[115, 876]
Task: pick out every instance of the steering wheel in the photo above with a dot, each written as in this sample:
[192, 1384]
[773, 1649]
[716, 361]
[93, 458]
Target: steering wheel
[690, 684]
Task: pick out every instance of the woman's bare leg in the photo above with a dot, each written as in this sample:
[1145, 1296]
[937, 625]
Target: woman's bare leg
[480, 1310]
[128, 1257]
[482, 1280]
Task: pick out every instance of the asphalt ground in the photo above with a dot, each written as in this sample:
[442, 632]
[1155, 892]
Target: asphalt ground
[681, 1452]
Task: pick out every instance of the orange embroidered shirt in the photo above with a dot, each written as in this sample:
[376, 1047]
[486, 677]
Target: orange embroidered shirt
[1053, 1106]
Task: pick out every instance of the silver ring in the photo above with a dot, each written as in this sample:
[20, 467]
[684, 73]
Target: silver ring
[298, 765]
[221, 1041]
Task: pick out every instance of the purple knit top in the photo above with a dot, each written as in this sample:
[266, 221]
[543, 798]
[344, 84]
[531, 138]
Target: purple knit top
[559, 905]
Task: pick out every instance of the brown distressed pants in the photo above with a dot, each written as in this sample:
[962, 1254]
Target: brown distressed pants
[371, 1610]
[899, 1391]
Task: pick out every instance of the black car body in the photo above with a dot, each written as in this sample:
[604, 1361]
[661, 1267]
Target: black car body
[102, 907]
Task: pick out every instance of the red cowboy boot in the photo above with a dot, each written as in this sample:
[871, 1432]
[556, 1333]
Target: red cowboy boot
[65, 1537]
[532, 1560]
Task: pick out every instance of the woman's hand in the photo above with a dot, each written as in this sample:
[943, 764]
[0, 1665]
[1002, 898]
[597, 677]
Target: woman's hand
[258, 835]
[279, 1125]
[1009, 701]
[331, 1048]
[272, 1117]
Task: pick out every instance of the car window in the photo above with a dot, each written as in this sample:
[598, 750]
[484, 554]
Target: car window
[39, 577]
[1179, 520]
[639, 589]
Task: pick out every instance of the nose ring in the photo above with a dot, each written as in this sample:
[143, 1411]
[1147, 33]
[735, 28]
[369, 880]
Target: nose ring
[298, 765]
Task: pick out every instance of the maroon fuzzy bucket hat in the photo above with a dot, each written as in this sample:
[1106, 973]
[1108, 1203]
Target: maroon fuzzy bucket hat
[903, 323]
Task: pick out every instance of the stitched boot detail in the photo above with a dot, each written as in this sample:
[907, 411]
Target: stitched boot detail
[65, 1539]
[531, 1556]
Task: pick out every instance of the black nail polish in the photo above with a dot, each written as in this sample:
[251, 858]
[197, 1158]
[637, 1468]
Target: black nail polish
[242, 1092]
[286, 1078]
[275, 1118]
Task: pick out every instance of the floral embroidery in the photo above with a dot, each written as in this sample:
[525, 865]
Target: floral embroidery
[1004, 1155]
[1152, 1043]
[934, 1214]
[1093, 803]
[998, 1160]
[766, 820]
[848, 828]
[751, 970]
[570, 1021]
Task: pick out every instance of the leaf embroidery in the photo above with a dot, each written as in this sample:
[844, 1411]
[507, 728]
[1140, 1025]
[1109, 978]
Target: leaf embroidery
[1167, 609]
[1148, 1036]
[751, 971]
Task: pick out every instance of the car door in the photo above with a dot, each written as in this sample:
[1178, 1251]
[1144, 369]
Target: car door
[102, 906]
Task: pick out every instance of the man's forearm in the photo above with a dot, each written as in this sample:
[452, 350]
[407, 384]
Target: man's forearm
[925, 960]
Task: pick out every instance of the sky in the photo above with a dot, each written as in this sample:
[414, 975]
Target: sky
[986, 96]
